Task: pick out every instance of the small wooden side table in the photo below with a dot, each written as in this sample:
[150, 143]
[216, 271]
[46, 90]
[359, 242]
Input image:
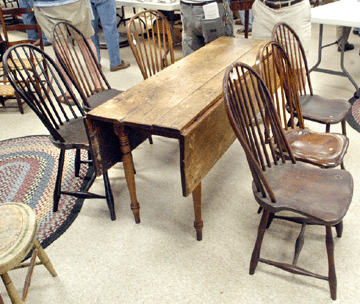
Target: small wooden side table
[18, 237]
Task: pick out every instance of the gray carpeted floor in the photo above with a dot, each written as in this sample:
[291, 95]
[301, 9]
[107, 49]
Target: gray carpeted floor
[159, 260]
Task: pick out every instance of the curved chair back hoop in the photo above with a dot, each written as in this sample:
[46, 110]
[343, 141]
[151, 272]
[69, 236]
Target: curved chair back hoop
[43, 86]
[251, 113]
[78, 59]
[276, 71]
[150, 39]
[287, 37]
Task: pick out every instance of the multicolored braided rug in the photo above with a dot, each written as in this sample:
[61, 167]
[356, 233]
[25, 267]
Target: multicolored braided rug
[28, 168]
[353, 117]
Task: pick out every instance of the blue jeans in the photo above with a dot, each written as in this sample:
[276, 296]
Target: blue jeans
[30, 19]
[242, 18]
[105, 11]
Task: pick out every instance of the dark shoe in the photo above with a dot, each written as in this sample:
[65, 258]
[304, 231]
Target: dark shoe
[242, 31]
[124, 64]
[47, 43]
[356, 32]
[238, 22]
[348, 47]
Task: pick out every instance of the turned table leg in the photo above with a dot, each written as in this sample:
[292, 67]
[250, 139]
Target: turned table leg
[198, 224]
[128, 169]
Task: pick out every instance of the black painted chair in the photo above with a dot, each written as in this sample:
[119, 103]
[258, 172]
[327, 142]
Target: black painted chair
[46, 91]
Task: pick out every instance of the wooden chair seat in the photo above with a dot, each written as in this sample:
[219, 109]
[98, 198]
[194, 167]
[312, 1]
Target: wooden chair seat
[25, 63]
[328, 193]
[18, 237]
[326, 150]
[7, 90]
[73, 134]
[324, 110]
[98, 98]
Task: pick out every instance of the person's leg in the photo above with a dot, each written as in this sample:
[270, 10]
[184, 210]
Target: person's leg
[30, 19]
[242, 18]
[192, 38]
[262, 27]
[95, 25]
[107, 12]
[342, 34]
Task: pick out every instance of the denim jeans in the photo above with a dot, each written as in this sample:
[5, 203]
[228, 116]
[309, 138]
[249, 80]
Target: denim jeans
[30, 19]
[242, 18]
[105, 11]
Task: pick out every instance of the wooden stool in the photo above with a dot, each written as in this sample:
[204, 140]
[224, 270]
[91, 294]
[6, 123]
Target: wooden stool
[18, 237]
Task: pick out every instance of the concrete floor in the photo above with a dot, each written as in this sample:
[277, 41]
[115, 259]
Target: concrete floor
[159, 260]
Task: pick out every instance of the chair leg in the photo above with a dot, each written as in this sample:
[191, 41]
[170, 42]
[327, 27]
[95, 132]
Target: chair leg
[29, 274]
[327, 130]
[44, 258]
[261, 231]
[57, 191]
[339, 229]
[343, 127]
[270, 219]
[330, 254]
[77, 162]
[9, 285]
[109, 196]
[19, 102]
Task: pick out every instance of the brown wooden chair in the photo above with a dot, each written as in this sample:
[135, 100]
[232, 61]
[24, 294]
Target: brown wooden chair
[150, 39]
[18, 229]
[325, 150]
[17, 27]
[282, 186]
[314, 107]
[7, 92]
[78, 59]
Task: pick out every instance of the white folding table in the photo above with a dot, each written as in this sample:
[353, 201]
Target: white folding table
[343, 13]
[161, 5]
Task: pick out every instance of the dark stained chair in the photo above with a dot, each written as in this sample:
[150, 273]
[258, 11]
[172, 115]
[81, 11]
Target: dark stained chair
[290, 190]
[314, 107]
[150, 39]
[78, 59]
[325, 150]
[46, 91]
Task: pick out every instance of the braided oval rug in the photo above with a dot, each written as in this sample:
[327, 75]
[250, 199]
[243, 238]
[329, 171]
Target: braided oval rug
[28, 168]
[353, 117]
